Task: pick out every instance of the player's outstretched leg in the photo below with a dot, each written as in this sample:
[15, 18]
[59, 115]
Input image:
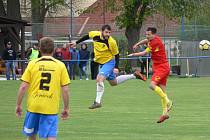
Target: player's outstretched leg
[140, 76]
[118, 80]
[122, 78]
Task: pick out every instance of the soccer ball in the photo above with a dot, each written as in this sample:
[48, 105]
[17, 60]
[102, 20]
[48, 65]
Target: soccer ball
[204, 45]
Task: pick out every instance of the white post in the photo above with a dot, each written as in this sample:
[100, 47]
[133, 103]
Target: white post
[188, 69]
[147, 66]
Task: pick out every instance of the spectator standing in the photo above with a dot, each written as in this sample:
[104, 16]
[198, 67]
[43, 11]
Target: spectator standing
[9, 55]
[33, 53]
[74, 63]
[84, 57]
[58, 54]
[66, 56]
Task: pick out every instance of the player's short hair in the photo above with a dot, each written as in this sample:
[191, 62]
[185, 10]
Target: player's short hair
[152, 29]
[104, 27]
[46, 45]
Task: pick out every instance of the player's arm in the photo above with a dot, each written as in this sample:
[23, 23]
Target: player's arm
[65, 96]
[65, 81]
[117, 59]
[142, 42]
[114, 50]
[146, 51]
[21, 92]
[26, 78]
[90, 35]
[86, 37]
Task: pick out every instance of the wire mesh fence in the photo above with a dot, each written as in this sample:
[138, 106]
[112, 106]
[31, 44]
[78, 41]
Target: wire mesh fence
[186, 66]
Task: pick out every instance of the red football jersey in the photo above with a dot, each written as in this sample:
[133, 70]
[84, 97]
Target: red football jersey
[157, 50]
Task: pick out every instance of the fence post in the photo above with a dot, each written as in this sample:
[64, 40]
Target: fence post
[147, 67]
[188, 69]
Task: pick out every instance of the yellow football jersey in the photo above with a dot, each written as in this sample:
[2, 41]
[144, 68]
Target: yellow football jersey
[104, 50]
[45, 76]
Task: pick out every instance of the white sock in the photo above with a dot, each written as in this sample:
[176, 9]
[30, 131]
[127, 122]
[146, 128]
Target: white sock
[122, 78]
[100, 91]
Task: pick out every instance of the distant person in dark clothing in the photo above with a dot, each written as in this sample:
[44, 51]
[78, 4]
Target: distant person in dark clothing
[58, 54]
[84, 57]
[93, 67]
[74, 63]
[9, 55]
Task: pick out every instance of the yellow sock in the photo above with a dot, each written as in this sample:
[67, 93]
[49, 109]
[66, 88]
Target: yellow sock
[164, 106]
[160, 92]
[164, 98]
[167, 100]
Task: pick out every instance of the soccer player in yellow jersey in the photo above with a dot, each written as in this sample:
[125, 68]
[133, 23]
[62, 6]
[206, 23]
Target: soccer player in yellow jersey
[44, 78]
[107, 55]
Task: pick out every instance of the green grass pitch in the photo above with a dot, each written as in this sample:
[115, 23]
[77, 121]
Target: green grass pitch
[129, 112]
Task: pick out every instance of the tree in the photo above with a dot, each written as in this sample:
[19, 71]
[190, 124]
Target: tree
[41, 8]
[133, 13]
[9, 9]
[198, 27]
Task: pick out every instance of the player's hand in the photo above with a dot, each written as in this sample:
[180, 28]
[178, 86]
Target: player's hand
[135, 47]
[72, 45]
[18, 111]
[65, 114]
[116, 70]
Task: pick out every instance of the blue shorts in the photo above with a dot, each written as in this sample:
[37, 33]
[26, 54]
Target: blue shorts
[45, 125]
[107, 70]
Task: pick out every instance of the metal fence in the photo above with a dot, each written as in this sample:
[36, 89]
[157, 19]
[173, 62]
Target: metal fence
[198, 62]
[187, 66]
[179, 43]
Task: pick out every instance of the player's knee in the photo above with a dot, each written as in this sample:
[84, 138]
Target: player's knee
[33, 137]
[100, 86]
[152, 86]
[113, 83]
[100, 79]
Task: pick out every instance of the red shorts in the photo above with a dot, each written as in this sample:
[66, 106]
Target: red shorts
[160, 73]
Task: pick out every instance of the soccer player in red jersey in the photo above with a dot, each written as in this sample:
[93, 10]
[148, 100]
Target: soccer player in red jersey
[160, 68]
